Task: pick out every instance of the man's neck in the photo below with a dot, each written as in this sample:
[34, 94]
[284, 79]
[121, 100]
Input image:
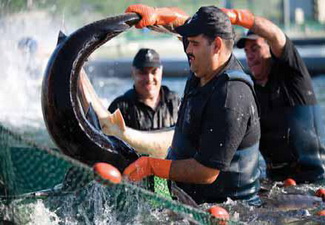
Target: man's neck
[151, 102]
[262, 82]
[214, 72]
[266, 73]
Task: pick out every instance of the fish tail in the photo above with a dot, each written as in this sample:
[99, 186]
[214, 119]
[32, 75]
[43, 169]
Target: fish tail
[117, 118]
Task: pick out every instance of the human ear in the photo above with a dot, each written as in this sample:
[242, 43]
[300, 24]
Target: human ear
[133, 72]
[217, 44]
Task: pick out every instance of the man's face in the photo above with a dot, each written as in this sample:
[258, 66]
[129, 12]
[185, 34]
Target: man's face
[200, 52]
[258, 58]
[147, 81]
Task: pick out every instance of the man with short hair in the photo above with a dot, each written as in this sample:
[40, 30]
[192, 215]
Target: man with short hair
[213, 154]
[292, 131]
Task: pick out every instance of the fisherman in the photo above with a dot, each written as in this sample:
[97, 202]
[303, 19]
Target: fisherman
[29, 51]
[292, 134]
[148, 105]
[213, 152]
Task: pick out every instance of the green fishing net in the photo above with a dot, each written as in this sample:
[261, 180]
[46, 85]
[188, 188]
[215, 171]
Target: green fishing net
[37, 181]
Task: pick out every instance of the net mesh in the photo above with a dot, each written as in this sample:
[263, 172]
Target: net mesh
[37, 180]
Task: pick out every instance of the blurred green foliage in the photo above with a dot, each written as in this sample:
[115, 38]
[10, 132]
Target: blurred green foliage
[80, 12]
[94, 9]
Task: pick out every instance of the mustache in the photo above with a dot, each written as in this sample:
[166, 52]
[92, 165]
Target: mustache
[190, 55]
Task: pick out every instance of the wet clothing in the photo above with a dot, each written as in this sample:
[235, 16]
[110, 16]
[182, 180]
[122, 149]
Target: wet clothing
[292, 141]
[218, 126]
[138, 115]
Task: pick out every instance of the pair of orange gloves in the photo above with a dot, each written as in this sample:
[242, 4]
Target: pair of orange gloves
[171, 15]
[147, 166]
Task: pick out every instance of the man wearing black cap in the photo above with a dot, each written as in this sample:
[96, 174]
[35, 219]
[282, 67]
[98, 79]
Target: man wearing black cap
[149, 105]
[292, 133]
[213, 154]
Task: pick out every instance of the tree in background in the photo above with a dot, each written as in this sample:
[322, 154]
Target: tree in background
[84, 11]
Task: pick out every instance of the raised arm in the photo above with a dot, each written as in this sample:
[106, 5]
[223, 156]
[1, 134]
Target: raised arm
[260, 26]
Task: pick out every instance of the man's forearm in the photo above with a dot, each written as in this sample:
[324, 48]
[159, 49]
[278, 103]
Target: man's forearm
[260, 26]
[191, 171]
[271, 32]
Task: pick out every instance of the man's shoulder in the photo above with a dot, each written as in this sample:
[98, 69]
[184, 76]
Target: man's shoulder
[232, 78]
[289, 53]
[123, 101]
[290, 65]
[127, 96]
[239, 75]
[170, 95]
[234, 91]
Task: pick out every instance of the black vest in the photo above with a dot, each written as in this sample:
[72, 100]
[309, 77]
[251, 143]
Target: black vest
[240, 180]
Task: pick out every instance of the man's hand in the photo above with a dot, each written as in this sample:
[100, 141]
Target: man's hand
[146, 166]
[158, 16]
[241, 17]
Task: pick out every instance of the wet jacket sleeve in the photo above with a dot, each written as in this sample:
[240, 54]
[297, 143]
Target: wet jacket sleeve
[292, 71]
[291, 61]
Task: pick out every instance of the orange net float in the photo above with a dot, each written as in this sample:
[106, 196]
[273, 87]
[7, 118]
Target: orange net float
[219, 213]
[321, 213]
[289, 182]
[108, 172]
[320, 192]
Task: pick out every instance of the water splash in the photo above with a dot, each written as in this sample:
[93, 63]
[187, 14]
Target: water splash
[22, 70]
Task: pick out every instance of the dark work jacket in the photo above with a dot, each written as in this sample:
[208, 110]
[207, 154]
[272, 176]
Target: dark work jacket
[292, 140]
[138, 115]
[218, 126]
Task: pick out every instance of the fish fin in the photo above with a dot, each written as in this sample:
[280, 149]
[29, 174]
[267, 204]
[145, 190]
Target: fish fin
[117, 118]
[61, 37]
[92, 117]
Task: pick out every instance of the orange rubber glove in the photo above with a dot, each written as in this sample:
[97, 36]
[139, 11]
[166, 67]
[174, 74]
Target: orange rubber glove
[158, 16]
[241, 17]
[147, 166]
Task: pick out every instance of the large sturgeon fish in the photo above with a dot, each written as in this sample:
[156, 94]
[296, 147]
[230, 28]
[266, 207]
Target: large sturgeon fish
[64, 118]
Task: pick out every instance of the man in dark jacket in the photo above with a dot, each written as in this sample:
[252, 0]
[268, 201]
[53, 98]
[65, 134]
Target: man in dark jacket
[148, 105]
[292, 132]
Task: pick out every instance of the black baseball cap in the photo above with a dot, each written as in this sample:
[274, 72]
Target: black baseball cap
[146, 57]
[250, 35]
[208, 20]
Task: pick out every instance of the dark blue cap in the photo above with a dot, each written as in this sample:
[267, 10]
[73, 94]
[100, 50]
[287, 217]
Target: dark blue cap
[146, 57]
[250, 35]
[208, 20]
